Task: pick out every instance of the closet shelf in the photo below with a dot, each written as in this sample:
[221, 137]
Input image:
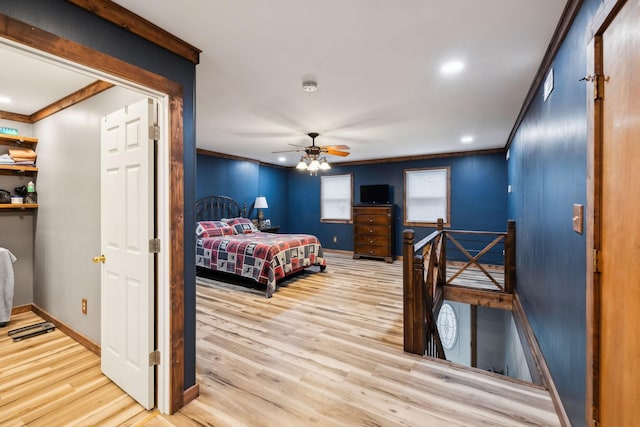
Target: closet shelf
[18, 141]
[18, 207]
[17, 169]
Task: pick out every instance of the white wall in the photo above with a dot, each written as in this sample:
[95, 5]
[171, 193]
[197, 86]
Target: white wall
[16, 227]
[67, 233]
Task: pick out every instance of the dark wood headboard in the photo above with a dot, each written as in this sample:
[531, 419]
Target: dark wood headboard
[214, 208]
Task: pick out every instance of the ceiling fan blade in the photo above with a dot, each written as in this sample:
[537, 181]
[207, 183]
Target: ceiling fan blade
[336, 147]
[286, 151]
[336, 152]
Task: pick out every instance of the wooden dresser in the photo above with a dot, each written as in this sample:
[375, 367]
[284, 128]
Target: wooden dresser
[373, 231]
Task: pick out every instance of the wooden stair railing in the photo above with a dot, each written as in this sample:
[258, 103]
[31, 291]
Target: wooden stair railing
[423, 289]
[425, 275]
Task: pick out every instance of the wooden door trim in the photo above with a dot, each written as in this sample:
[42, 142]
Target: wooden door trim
[124, 18]
[601, 20]
[52, 44]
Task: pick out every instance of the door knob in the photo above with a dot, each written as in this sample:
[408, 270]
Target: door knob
[99, 259]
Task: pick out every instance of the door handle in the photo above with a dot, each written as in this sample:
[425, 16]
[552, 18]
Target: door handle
[99, 259]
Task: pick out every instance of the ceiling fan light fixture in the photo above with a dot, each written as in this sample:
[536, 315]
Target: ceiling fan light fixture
[324, 165]
[314, 165]
[309, 86]
[302, 165]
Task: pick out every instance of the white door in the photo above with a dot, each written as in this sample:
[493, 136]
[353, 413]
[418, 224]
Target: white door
[127, 295]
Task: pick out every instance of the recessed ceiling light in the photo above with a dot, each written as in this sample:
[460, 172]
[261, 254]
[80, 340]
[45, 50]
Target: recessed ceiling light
[282, 159]
[5, 100]
[452, 67]
[467, 139]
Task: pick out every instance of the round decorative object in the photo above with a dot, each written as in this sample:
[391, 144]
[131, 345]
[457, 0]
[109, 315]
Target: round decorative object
[448, 326]
[310, 86]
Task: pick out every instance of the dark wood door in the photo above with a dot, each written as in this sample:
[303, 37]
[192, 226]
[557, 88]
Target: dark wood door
[619, 387]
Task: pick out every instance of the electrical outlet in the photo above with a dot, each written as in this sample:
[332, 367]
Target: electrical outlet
[335, 239]
[84, 306]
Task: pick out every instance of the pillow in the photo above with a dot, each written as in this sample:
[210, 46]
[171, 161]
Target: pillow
[213, 229]
[242, 225]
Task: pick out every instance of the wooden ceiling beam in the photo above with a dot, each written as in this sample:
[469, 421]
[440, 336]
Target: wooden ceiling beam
[78, 96]
[124, 18]
[23, 118]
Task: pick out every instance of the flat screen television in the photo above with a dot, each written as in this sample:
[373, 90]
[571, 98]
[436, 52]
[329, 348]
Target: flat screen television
[374, 194]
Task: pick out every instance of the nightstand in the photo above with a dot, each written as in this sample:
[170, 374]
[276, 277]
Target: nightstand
[273, 229]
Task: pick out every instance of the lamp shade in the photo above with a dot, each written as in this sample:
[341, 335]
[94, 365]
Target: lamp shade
[302, 165]
[260, 203]
[324, 165]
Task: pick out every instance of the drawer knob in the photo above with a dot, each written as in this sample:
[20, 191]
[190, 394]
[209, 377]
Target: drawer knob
[371, 230]
[372, 240]
[370, 219]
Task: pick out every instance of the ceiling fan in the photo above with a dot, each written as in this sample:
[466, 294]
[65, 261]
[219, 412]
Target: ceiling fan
[317, 150]
[311, 159]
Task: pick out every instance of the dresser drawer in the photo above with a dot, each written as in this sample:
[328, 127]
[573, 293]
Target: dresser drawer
[371, 219]
[373, 239]
[370, 250]
[372, 210]
[369, 229]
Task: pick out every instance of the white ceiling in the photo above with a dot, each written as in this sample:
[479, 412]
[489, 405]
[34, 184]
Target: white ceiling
[377, 65]
[32, 83]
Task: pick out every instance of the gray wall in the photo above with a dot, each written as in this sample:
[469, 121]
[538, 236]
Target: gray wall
[17, 228]
[67, 229]
[491, 339]
[499, 345]
[515, 364]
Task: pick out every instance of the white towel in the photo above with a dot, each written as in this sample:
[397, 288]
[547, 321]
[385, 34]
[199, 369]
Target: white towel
[5, 159]
[6, 284]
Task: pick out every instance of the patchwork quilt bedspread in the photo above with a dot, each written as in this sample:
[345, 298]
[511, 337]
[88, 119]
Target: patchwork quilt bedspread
[263, 257]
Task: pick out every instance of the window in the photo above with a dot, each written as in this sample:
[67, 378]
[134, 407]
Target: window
[426, 196]
[336, 198]
[448, 326]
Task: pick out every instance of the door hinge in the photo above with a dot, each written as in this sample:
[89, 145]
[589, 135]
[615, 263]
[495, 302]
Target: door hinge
[154, 358]
[596, 261]
[154, 132]
[154, 246]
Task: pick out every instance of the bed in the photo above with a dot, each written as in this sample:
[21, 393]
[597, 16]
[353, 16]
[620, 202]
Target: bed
[228, 242]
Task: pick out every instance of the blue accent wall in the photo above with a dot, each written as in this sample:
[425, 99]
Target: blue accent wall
[547, 171]
[66, 20]
[478, 193]
[478, 196]
[273, 185]
[243, 181]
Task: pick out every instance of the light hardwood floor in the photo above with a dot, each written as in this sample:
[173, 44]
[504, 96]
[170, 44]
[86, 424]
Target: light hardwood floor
[51, 380]
[326, 350]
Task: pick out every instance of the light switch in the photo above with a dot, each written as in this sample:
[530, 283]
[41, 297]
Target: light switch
[577, 218]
